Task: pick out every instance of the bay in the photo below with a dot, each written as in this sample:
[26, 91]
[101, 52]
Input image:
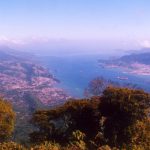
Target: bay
[75, 72]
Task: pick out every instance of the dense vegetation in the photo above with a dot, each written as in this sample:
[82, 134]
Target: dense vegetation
[7, 118]
[116, 119]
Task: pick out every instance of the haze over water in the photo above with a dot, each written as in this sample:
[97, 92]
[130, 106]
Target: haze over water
[74, 27]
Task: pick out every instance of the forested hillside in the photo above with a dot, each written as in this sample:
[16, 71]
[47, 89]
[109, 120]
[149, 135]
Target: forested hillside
[118, 119]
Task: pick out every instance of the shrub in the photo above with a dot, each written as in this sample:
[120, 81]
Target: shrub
[7, 118]
[11, 146]
[47, 146]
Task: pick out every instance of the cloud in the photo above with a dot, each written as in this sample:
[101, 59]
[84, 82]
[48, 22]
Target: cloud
[8, 41]
[145, 43]
[3, 39]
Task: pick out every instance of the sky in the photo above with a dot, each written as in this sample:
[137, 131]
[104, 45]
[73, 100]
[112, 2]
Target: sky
[81, 24]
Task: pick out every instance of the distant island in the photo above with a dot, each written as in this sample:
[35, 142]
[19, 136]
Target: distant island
[138, 64]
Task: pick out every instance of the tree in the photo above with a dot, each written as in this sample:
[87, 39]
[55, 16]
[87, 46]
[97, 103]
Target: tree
[7, 118]
[118, 119]
[96, 87]
[126, 116]
[58, 124]
[99, 84]
[11, 146]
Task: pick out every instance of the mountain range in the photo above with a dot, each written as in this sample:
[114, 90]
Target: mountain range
[136, 63]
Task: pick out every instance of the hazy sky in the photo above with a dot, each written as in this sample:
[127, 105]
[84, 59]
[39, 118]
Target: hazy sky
[118, 22]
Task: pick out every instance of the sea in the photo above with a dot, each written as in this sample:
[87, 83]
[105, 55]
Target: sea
[76, 71]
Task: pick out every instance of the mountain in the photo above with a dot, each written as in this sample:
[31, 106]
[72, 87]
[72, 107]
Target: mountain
[136, 63]
[143, 58]
[21, 76]
[27, 85]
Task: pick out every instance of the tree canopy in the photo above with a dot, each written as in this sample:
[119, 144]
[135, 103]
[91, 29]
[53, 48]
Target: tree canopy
[7, 118]
[126, 113]
[58, 124]
[118, 118]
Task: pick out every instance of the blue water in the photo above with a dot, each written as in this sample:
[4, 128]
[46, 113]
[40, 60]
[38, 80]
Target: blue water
[75, 72]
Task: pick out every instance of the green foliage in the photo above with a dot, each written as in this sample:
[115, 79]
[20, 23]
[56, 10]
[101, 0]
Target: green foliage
[11, 146]
[99, 84]
[96, 87]
[77, 136]
[119, 118]
[116, 120]
[58, 124]
[7, 117]
[126, 117]
[77, 140]
[105, 147]
[46, 146]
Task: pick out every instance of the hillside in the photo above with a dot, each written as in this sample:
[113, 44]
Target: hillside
[19, 77]
[143, 58]
[137, 63]
[27, 85]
